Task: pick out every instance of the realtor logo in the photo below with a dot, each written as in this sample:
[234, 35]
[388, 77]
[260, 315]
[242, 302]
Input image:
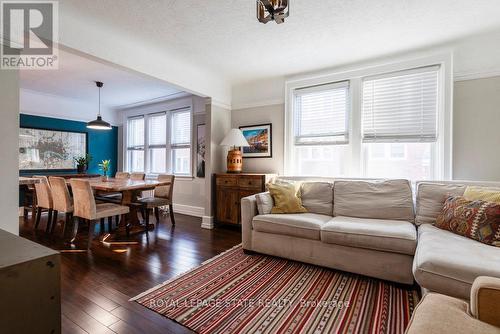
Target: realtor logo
[29, 32]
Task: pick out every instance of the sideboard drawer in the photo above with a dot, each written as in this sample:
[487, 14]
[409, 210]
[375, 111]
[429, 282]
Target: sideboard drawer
[228, 181]
[250, 182]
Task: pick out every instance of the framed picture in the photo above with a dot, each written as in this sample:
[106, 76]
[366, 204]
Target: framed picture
[200, 150]
[260, 138]
[45, 149]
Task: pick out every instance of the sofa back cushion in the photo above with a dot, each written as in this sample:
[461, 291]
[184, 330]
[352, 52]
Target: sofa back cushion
[390, 199]
[431, 198]
[317, 197]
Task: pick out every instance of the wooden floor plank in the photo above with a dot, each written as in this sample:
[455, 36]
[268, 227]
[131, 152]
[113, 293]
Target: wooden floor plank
[97, 285]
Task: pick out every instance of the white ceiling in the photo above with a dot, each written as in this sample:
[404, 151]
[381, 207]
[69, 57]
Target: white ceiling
[76, 76]
[224, 35]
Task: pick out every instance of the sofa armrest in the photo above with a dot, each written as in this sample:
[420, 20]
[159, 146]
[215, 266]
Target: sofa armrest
[248, 211]
[485, 300]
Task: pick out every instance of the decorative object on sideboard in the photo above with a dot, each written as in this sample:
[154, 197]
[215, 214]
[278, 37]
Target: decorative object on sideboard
[99, 123]
[104, 166]
[260, 139]
[46, 149]
[272, 10]
[235, 139]
[82, 163]
[200, 150]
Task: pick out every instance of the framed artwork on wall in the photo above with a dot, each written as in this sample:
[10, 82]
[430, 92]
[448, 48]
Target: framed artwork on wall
[200, 150]
[260, 138]
[45, 149]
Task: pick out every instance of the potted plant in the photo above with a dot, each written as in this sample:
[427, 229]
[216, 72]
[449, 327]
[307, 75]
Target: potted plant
[82, 163]
[104, 166]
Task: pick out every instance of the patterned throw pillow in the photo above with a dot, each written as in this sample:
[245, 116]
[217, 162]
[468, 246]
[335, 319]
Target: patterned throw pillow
[478, 220]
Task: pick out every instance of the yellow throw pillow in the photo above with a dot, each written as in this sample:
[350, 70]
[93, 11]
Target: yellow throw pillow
[285, 198]
[483, 194]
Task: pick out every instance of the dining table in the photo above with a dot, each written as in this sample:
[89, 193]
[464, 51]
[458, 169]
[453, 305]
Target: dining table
[130, 191]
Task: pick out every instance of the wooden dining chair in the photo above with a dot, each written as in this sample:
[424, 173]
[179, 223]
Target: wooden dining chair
[137, 176]
[163, 196]
[44, 201]
[62, 201]
[86, 208]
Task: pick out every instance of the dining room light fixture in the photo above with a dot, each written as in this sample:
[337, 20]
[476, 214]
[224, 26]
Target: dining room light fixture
[272, 10]
[99, 123]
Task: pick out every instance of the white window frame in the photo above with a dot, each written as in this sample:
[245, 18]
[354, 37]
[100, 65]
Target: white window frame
[442, 168]
[168, 107]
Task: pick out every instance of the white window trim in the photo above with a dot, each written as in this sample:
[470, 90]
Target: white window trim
[443, 163]
[185, 103]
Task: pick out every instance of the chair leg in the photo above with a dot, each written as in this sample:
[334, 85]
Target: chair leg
[157, 214]
[76, 221]
[171, 212]
[142, 213]
[54, 221]
[102, 228]
[66, 222]
[117, 220]
[38, 216]
[49, 221]
[146, 226]
[110, 224]
[91, 232]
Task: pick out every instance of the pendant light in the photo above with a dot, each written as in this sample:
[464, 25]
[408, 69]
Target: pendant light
[99, 124]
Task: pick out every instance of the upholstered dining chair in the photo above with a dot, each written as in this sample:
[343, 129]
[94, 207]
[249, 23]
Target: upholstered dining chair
[137, 176]
[44, 201]
[122, 175]
[86, 208]
[163, 196]
[62, 201]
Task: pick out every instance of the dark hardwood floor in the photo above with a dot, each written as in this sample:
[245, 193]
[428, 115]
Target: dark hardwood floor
[97, 285]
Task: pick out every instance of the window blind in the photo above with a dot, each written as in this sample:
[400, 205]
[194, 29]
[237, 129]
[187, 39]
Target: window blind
[135, 133]
[401, 107]
[181, 128]
[321, 114]
[157, 130]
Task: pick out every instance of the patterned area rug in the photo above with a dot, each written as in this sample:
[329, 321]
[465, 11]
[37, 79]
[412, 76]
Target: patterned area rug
[238, 293]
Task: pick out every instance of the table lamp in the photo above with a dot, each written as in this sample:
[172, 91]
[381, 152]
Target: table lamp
[235, 139]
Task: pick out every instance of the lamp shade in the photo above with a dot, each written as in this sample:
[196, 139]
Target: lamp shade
[235, 138]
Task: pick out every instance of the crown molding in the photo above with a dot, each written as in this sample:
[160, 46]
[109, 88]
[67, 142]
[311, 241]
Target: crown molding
[464, 76]
[258, 104]
[75, 119]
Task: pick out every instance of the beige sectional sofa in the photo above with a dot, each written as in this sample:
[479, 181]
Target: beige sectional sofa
[373, 228]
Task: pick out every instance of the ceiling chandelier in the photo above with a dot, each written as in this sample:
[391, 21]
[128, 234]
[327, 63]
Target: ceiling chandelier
[272, 10]
[99, 123]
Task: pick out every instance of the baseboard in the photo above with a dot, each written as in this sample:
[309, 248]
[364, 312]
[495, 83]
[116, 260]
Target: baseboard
[189, 210]
[207, 222]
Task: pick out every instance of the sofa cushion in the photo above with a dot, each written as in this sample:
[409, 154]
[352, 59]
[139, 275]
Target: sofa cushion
[430, 200]
[449, 263]
[391, 199]
[264, 203]
[302, 225]
[477, 220]
[317, 197]
[378, 234]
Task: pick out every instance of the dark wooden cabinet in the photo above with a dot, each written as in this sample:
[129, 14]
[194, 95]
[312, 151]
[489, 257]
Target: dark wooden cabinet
[230, 189]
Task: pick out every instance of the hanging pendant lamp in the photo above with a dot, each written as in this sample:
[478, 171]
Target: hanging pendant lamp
[99, 124]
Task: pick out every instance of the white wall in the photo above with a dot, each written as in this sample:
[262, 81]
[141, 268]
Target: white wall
[9, 150]
[42, 104]
[273, 114]
[477, 130]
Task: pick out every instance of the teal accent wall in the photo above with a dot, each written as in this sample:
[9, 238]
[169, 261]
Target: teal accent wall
[102, 145]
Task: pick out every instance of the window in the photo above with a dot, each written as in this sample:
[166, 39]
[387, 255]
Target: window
[374, 123]
[166, 145]
[135, 144]
[399, 115]
[321, 129]
[181, 142]
[158, 143]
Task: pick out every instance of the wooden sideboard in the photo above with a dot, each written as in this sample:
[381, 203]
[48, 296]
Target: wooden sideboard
[230, 189]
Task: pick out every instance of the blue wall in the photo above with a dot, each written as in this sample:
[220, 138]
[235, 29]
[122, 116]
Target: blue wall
[102, 145]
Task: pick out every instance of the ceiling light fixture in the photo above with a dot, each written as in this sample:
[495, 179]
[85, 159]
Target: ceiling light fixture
[272, 10]
[99, 124]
